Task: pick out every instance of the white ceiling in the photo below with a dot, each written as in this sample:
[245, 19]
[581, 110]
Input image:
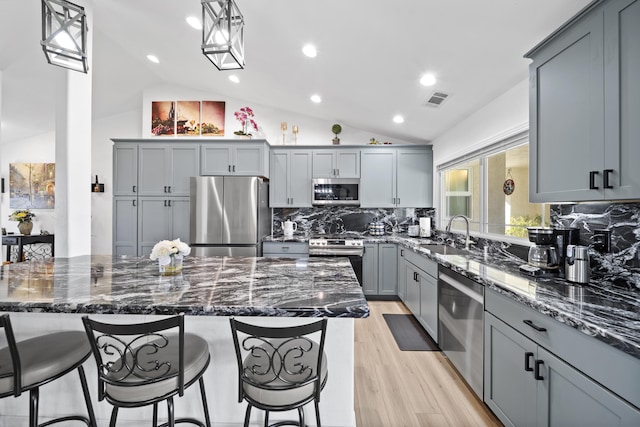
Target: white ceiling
[371, 55]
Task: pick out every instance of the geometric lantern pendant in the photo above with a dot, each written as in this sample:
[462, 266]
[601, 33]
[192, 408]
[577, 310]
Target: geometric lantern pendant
[223, 34]
[64, 34]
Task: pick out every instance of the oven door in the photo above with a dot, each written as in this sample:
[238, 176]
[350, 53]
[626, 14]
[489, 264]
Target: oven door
[354, 255]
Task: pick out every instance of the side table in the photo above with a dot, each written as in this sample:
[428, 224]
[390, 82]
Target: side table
[24, 242]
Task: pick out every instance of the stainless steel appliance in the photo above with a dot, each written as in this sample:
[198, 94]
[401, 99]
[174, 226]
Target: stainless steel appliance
[337, 246]
[563, 237]
[577, 265]
[543, 255]
[229, 215]
[460, 325]
[335, 191]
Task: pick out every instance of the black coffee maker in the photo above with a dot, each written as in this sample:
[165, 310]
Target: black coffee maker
[565, 236]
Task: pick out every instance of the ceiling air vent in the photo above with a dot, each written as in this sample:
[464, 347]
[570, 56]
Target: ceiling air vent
[437, 98]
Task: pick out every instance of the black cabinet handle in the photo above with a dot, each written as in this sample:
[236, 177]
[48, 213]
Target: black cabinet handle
[605, 178]
[401, 252]
[527, 357]
[229, 168]
[165, 188]
[135, 188]
[169, 203]
[234, 168]
[537, 328]
[592, 180]
[134, 202]
[169, 188]
[536, 374]
[165, 203]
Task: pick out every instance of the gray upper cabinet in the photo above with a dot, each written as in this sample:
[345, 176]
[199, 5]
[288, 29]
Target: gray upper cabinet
[396, 177]
[241, 158]
[584, 104]
[290, 183]
[164, 170]
[125, 169]
[336, 163]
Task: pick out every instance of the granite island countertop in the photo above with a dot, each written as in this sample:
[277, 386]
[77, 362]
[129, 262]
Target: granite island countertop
[215, 286]
[602, 309]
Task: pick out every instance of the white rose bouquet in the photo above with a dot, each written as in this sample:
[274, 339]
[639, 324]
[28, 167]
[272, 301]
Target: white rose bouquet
[164, 250]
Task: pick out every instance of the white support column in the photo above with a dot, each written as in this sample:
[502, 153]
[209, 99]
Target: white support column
[73, 156]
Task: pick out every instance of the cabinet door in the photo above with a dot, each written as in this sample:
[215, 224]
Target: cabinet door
[125, 226]
[415, 178]
[184, 162]
[378, 179]
[279, 183]
[566, 397]
[324, 164]
[180, 224]
[154, 223]
[413, 289]
[429, 304]
[622, 98]
[347, 163]
[567, 115]
[509, 389]
[153, 170]
[387, 269]
[299, 178]
[248, 161]
[370, 269]
[215, 160]
[125, 169]
[402, 274]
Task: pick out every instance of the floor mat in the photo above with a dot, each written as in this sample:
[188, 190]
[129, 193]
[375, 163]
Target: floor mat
[409, 334]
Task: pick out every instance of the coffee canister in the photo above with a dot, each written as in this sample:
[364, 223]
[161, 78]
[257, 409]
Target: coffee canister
[577, 267]
[425, 227]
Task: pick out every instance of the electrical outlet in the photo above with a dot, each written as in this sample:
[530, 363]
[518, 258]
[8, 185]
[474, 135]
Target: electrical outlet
[601, 240]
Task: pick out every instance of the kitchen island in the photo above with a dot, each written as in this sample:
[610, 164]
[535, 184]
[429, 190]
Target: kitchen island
[47, 296]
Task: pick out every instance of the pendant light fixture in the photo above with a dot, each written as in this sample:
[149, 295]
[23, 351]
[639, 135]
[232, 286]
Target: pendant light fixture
[223, 34]
[64, 34]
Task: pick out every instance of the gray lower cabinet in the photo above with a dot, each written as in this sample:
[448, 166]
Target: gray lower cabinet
[285, 249]
[421, 275]
[125, 226]
[379, 269]
[402, 274]
[161, 219]
[412, 301]
[584, 104]
[290, 185]
[239, 158]
[527, 383]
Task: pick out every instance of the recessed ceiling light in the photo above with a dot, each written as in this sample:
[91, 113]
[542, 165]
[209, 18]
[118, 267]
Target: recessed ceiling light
[234, 78]
[310, 50]
[153, 59]
[194, 22]
[398, 119]
[428, 80]
[316, 99]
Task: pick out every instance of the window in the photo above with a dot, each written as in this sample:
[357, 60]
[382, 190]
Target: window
[491, 188]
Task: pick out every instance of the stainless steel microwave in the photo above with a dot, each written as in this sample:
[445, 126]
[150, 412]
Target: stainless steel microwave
[335, 191]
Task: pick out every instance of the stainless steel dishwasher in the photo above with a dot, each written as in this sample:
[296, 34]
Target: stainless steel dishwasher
[460, 325]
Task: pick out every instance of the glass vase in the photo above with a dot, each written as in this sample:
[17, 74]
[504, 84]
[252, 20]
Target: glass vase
[174, 267]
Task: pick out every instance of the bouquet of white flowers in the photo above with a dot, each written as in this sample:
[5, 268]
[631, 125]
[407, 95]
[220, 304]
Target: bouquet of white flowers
[164, 250]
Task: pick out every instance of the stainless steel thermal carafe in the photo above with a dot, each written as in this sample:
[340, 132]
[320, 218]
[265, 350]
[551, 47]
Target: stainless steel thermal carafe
[577, 267]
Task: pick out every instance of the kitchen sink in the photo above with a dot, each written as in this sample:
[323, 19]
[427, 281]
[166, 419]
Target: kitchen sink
[444, 249]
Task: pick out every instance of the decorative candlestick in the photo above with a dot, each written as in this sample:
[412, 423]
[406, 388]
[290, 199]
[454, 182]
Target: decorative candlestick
[295, 134]
[283, 127]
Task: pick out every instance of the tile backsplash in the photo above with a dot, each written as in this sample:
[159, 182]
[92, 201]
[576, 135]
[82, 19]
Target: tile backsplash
[622, 264]
[347, 219]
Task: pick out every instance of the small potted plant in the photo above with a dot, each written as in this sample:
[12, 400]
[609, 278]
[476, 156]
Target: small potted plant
[245, 117]
[336, 129]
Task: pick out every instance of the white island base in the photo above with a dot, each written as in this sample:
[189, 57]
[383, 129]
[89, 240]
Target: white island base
[64, 396]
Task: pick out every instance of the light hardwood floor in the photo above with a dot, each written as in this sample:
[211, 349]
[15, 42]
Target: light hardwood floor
[396, 388]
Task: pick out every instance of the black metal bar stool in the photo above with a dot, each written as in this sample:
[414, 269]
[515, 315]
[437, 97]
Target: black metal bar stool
[280, 368]
[27, 365]
[146, 363]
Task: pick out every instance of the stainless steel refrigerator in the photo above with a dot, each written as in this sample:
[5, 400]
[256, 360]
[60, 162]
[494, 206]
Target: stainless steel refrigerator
[229, 215]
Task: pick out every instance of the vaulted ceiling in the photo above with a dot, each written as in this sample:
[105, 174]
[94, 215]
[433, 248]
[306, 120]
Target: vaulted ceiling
[371, 55]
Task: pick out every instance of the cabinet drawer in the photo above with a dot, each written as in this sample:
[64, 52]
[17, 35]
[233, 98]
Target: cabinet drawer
[423, 263]
[284, 248]
[614, 369]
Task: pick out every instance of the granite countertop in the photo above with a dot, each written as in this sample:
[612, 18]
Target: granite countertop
[602, 309]
[216, 286]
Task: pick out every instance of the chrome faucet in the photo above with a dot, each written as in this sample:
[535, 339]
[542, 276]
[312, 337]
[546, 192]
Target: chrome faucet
[448, 228]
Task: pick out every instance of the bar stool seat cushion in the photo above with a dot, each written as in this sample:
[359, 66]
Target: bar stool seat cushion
[196, 357]
[279, 392]
[43, 358]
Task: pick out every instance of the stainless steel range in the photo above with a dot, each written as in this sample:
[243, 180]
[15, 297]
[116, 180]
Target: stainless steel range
[339, 246]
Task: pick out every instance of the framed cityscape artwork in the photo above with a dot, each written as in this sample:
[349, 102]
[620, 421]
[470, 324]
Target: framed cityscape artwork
[32, 185]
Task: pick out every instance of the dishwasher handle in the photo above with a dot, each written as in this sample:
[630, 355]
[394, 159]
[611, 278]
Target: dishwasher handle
[465, 289]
